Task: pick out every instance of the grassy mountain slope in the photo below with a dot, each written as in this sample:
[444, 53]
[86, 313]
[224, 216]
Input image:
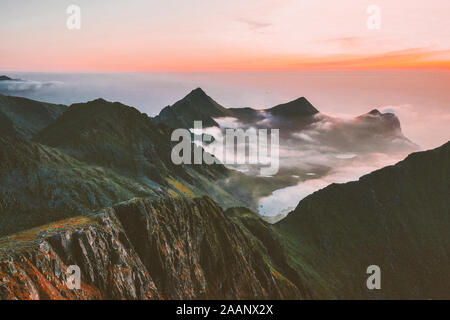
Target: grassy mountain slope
[94, 155]
[26, 116]
[397, 218]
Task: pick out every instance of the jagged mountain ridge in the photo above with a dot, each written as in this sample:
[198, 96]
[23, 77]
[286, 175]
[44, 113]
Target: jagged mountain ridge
[171, 249]
[300, 124]
[197, 105]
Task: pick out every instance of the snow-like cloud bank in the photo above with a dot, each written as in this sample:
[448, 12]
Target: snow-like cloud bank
[12, 87]
[329, 150]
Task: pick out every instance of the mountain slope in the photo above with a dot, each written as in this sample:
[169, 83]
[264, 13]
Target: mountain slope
[197, 105]
[94, 155]
[39, 184]
[26, 116]
[397, 218]
[112, 135]
[172, 249]
[119, 137]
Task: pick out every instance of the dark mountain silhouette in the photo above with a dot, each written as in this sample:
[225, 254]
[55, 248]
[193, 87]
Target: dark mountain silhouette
[291, 117]
[306, 136]
[5, 78]
[197, 105]
[27, 117]
[397, 218]
[297, 108]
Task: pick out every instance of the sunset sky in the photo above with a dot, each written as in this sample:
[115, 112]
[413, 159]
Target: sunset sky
[176, 35]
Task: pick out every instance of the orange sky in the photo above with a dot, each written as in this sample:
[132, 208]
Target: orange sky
[177, 35]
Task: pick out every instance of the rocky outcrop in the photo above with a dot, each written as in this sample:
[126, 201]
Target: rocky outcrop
[170, 249]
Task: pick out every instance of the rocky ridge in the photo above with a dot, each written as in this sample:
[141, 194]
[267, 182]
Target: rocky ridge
[141, 249]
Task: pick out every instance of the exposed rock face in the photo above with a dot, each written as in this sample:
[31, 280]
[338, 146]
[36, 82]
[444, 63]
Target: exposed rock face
[172, 249]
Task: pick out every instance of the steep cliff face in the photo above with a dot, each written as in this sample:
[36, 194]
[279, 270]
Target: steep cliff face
[171, 249]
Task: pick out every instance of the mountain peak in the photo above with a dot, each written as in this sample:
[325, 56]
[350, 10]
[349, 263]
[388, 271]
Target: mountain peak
[197, 96]
[197, 105]
[295, 108]
[375, 112]
[198, 91]
[99, 100]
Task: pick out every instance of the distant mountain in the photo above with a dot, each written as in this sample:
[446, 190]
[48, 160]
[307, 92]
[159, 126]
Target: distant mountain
[396, 218]
[309, 141]
[291, 117]
[197, 105]
[367, 133]
[5, 78]
[297, 108]
[28, 117]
